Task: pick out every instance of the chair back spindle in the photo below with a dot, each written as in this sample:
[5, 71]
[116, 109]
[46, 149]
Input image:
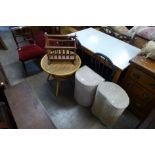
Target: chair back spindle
[102, 65]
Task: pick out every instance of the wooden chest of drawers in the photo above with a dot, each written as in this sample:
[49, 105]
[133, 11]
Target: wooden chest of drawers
[139, 83]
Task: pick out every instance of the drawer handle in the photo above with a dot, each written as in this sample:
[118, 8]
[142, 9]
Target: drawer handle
[152, 85]
[137, 76]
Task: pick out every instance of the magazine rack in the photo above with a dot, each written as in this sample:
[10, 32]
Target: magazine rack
[60, 47]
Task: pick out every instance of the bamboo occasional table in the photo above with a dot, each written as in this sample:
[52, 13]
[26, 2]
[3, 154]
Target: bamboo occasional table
[60, 70]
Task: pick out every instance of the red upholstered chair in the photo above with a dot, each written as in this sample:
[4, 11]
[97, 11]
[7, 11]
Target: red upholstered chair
[39, 38]
[26, 46]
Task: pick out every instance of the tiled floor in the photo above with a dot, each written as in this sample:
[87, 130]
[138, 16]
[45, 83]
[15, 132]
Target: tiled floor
[63, 110]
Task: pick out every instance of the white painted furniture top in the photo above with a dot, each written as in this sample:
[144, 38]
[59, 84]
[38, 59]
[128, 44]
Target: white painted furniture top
[118, 51]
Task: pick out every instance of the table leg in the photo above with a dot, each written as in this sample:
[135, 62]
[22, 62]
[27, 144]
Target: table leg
[48, 76]
[57, 87]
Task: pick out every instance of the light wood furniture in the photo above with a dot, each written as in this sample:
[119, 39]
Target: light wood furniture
[139, 83]
[27, 110]
[60, 69]
[118, 51]
[60, 47]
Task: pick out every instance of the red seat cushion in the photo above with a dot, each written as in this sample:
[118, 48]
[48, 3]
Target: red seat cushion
[30, 52]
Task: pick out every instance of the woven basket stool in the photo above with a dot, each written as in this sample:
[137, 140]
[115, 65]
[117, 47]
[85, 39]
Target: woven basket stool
[110, 102]
[86, 82]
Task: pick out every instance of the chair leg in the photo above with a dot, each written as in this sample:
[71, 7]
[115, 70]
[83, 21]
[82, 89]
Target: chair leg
[24, 67]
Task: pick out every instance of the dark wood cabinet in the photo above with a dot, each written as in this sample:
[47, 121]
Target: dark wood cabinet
[3, 83]
[139, 83]
[6, 119]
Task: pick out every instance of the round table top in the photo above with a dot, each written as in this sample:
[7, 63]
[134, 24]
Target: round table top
[60, 68]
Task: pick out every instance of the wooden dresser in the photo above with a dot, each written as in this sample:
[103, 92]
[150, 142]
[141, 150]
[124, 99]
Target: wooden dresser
[139, 83]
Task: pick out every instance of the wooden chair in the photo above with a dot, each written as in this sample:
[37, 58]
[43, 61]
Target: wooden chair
[87, 78]
[102, 65]
[26, 47]
[124, 38]
[39, 38]
[107, 30]
[60, 47]
[110, 31]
